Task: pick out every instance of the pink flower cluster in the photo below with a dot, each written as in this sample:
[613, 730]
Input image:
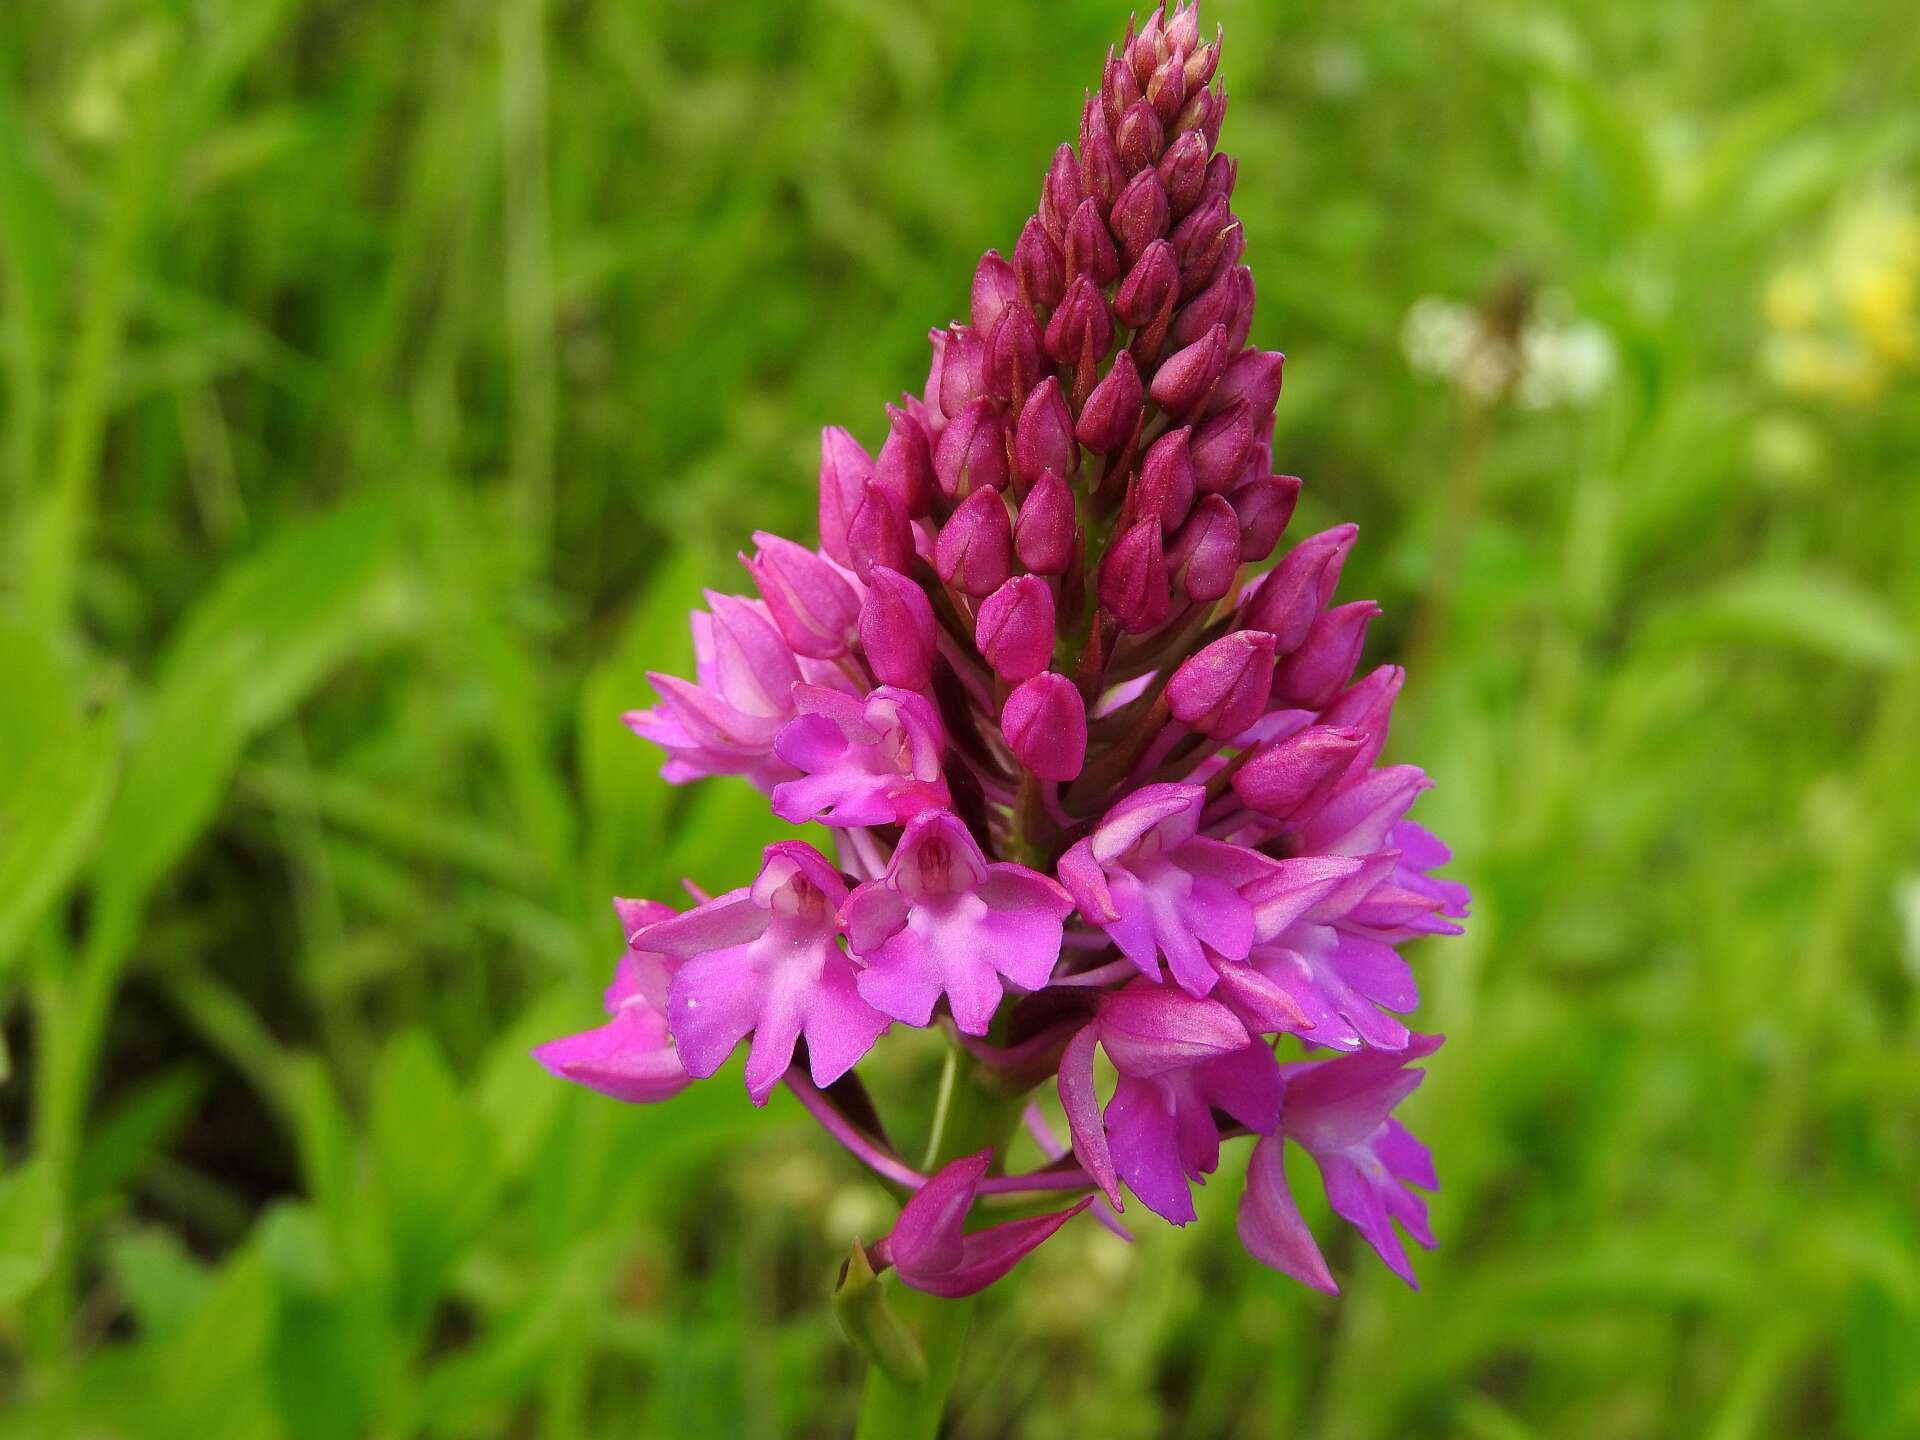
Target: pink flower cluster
[1091, 790]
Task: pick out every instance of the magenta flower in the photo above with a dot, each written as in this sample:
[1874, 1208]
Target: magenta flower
[1341, 1113]
[1073, 727]
[813, 605]
[932, 1251]
[872, 762]
[943, 920]
[1158, 887]
[1179, 1059]
[765, 960]
[724, 721]
[631, 1057]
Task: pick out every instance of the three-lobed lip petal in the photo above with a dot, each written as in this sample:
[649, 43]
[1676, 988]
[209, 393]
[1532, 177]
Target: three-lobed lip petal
[766, 961]
[943, 920]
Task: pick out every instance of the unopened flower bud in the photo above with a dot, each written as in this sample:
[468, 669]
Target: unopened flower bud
[1133, 578]
[1112, 411]
[932, 1250]
[972, 453]
[1183, 28]
[1223, 689]
[1207, 242]
[1167, 87]
[1014, 358]
[1314, 675]
[1367, 707]
[1205, 553]
[1291, 777]
[1062, 193]
[905, 462]
[1101, 171]
[1143, 52]
[1038, 264]
[845, 469]
[995, 287]
[1252, 376]
[974, 553]
[1014, 630]
[1239, 321]
[1220, 448]
[1139, 215]
[1043, 435]
[812, 605]
[1182, 171]
[1089, 248]
[1139, 137]
[1300, 586]
[936, 374]
[1201, 64]
[1222, 171]
[1186, 376]
[1151, 285]
[1081, 325]
[963, 370]
[1228, 301]
[1264, 506]
[896, 630]
[1118, 87]
[1167, 486]
[1045, 725]
[1214, 115]
[1093, 119]
[1210, 215]
[1043, 535]
[879, 532]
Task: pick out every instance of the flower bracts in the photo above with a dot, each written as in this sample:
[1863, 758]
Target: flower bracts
[1091, 789]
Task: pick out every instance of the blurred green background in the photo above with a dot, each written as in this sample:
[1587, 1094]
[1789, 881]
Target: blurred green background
[382, 381]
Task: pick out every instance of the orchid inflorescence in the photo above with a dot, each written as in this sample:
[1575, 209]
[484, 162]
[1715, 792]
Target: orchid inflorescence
[1090, 790]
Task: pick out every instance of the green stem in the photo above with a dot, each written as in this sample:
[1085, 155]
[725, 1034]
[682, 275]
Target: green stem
[892, 1409]
[56, 537]
[967, 1118]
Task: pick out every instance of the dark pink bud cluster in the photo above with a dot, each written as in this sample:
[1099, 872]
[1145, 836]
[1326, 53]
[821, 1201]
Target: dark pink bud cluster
[1093, 784]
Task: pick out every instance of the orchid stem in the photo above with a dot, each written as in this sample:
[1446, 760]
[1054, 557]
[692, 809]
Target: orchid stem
[967, 1118]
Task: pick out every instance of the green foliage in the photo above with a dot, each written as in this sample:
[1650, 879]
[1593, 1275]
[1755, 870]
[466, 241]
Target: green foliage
[378, 387]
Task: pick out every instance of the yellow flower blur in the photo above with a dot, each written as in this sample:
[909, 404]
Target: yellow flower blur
[1846, 318]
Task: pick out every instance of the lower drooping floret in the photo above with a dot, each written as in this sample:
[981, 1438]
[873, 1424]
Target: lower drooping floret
[1092, 790]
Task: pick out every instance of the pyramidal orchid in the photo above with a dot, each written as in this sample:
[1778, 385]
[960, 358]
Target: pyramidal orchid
[1099, 773]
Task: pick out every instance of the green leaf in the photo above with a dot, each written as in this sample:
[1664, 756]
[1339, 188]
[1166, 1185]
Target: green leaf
[435, 1163]
[869, 1322]
[331, 1350]
[517, 1097]
[269, 631]
[29, 1229]
[323, 1135]
[162, 1282]
[1811, 610]
[124, 1143]
[210, 1377]
[39, 702]
[48, 825]
[460, 1390]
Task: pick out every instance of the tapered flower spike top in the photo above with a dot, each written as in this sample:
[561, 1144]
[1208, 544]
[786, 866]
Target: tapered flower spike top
[1094, 768]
